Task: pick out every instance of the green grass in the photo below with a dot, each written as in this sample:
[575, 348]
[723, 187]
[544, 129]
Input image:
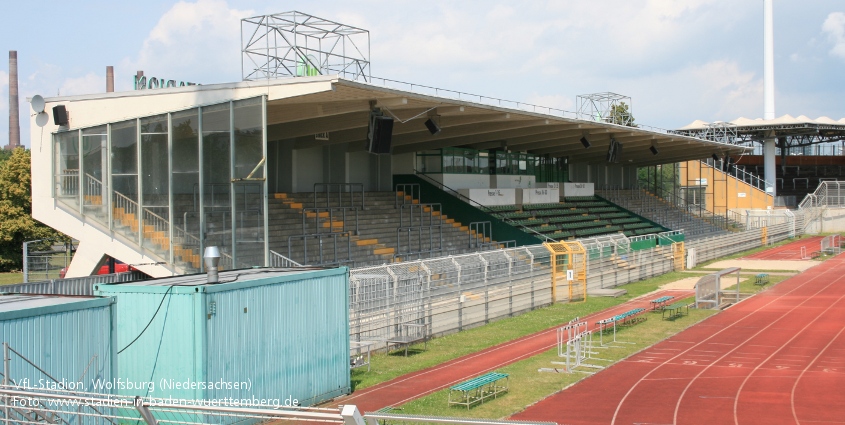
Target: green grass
[385, 367]
[528, 386]
[10, 278]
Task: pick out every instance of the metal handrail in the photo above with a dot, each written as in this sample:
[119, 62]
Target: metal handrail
[350, 188]
[494, 101]
[419, 220]
[407, 190]
[319, 237]
[279, 260]
[478, 232]
[331, 217]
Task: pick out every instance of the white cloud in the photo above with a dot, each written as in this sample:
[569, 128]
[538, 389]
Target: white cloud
[834, 27]
[193, 41]
[89, 83]
[716, 90]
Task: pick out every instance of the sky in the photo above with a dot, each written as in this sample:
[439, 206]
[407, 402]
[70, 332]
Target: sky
[678, 60]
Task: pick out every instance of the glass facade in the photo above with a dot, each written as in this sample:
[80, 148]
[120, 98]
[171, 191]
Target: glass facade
[471, 161]
[174, 183]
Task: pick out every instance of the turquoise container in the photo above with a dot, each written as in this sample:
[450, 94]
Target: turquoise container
[72, 339]
[268, 336]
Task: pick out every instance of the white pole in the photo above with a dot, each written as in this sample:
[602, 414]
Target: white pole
[768, 62]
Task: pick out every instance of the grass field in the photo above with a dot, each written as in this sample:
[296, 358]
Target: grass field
[385, 367]
[10, 278]
[528, 386]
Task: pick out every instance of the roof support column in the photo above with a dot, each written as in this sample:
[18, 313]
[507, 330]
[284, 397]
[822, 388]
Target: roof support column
[769, 147]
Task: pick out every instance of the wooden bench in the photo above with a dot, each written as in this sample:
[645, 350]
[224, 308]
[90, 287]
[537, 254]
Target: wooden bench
[675, 310]
[478, 389]
[761, 279]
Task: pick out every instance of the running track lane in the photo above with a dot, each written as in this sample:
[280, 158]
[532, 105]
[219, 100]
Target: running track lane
[418, 384]
[790, 251]
[778, 357]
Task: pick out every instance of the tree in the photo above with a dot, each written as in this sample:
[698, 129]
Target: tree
[16, 222]
[619, 114]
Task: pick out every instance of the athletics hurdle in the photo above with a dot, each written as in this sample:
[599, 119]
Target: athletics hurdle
[575, 346]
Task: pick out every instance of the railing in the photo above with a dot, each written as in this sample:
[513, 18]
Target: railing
[159, 225]
[343, 193]
[93, 191]
[480, 234]
[330, 213]
[828, 194]
[424, 222]
[280, 261]
[68, 183]
[82, 286]
[739, 173]
[494, 101]
[410, 192]
[321, 254]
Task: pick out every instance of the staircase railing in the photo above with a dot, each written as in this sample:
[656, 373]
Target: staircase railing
[93, 191]
[484, 208]
[410, 191]
[343, 193]
[419, 220]
[280, 261]
[827, 194]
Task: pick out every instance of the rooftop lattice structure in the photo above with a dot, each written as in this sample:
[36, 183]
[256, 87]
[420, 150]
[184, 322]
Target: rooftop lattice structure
[295, 44]
[605, 107]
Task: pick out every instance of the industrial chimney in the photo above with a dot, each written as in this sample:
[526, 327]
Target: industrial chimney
[14, 106]
[109, 79]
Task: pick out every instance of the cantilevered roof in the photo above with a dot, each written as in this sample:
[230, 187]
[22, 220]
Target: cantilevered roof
[471, 122]
[328, 110]
[822, 129]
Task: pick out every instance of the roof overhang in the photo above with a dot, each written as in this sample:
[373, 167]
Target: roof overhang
[343, 113]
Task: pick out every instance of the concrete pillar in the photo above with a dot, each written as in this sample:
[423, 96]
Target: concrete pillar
[770, 173]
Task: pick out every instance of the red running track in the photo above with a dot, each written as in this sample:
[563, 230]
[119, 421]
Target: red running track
[776, 358]
[418, 384]
[790, 251]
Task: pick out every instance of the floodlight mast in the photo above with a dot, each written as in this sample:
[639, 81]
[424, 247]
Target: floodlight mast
[296, 44]
[600, 106]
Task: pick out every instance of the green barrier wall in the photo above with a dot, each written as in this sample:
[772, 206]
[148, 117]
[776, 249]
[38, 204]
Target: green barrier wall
[464, 212]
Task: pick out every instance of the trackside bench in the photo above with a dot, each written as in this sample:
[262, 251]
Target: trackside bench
[630, 317]
[478, 389]
[762, 279]
[675, 310]
[658, 303]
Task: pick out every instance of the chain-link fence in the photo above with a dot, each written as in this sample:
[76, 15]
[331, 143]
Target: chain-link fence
[43, 261]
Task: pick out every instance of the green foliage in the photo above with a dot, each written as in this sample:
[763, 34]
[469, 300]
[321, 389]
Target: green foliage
[16, 222]
[620, 114]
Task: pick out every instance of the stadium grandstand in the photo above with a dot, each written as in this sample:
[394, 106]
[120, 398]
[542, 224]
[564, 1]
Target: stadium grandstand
[312, 160]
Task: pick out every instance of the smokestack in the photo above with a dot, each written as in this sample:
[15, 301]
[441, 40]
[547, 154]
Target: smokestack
[768, 62]
[109, 79]
[14, 106]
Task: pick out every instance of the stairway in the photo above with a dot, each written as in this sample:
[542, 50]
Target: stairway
[376, 240]
[650, 206]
